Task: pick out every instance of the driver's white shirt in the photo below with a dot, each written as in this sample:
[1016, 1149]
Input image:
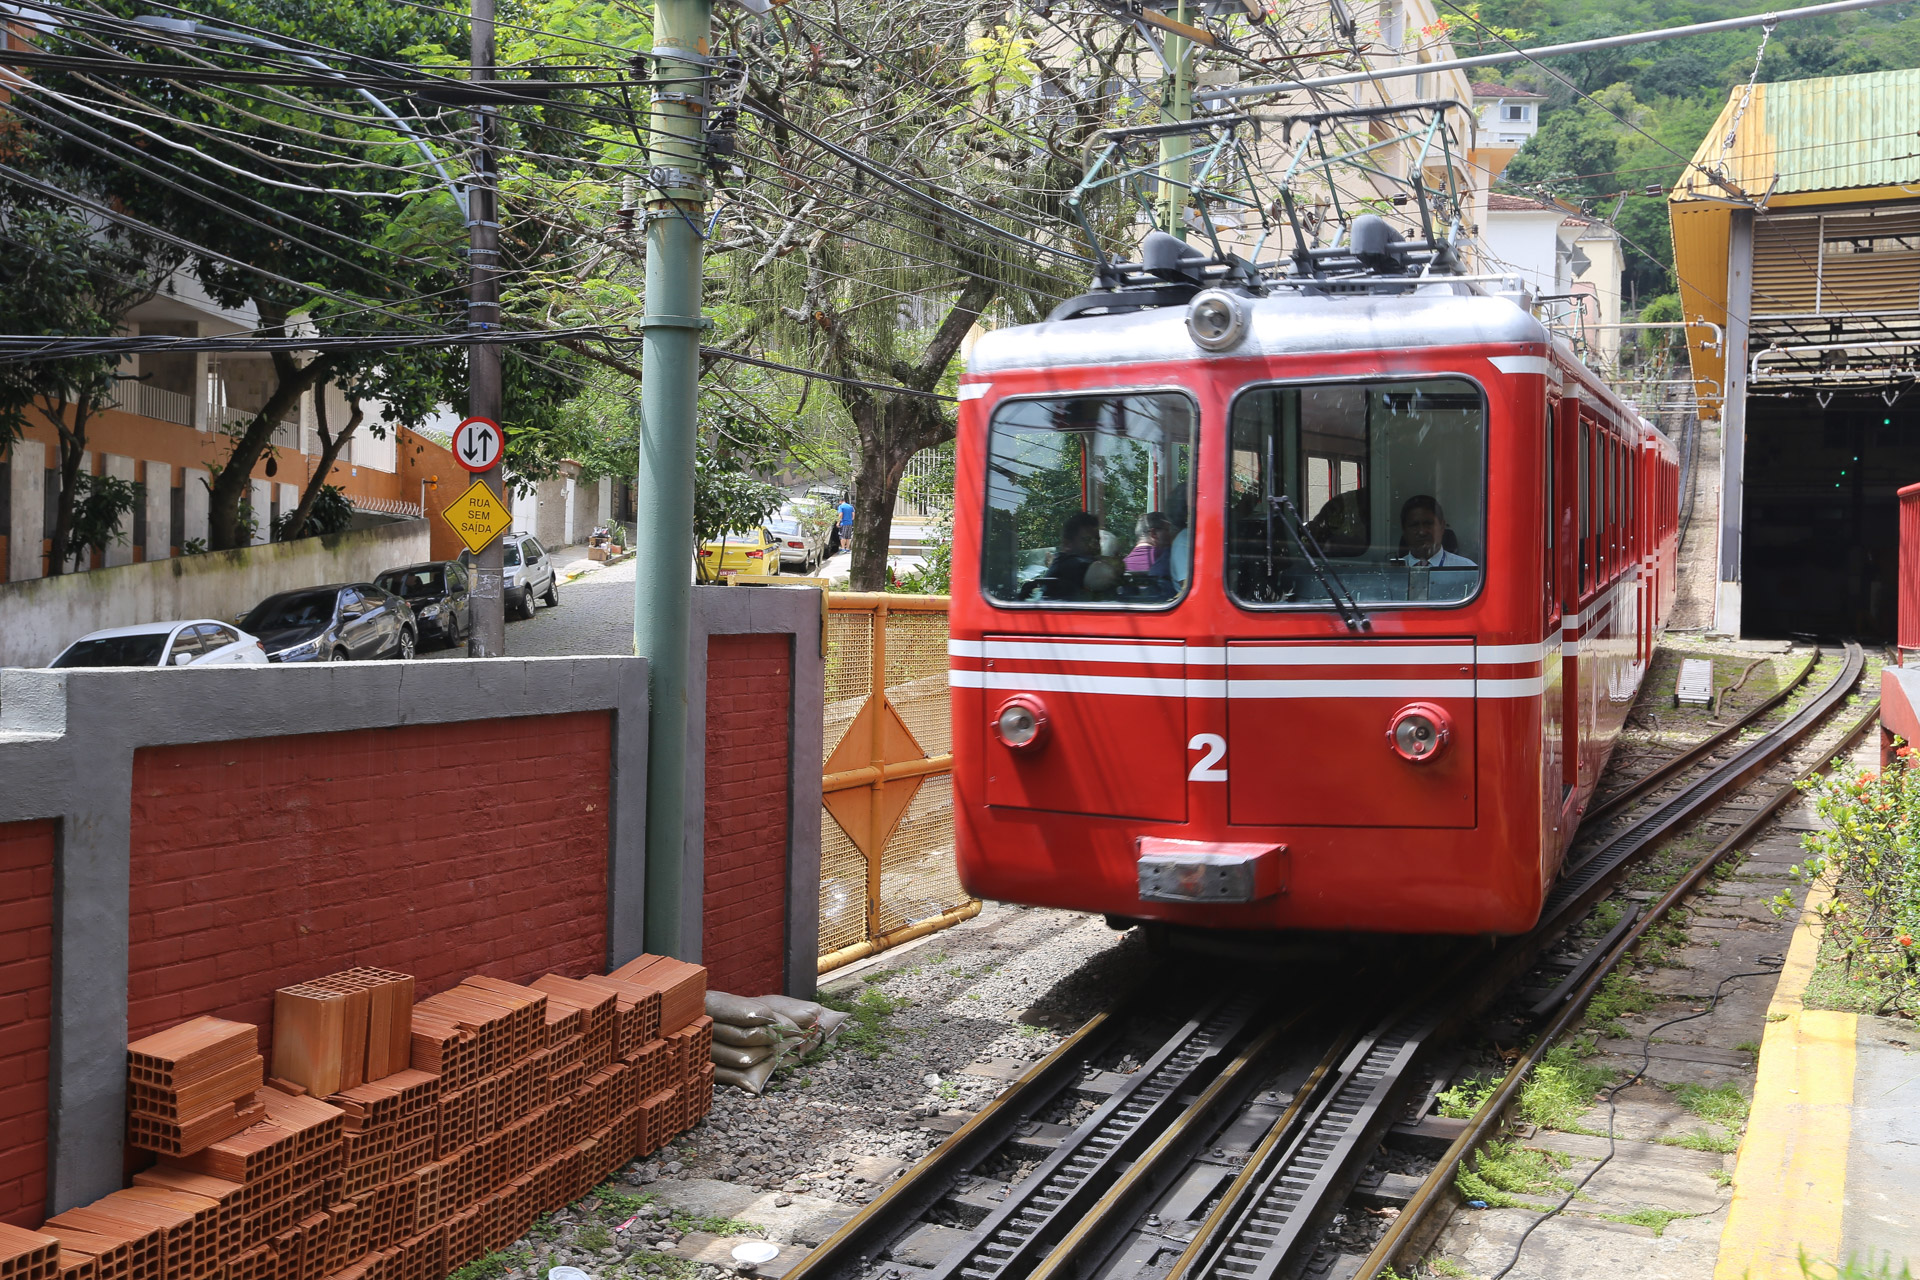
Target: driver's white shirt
[1442, 559]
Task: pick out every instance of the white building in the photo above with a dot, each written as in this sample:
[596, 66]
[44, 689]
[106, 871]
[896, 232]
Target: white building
[1570, 262]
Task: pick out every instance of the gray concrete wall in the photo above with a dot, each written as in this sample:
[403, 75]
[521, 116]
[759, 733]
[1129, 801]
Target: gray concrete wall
[38, 618]
[27, 489]
[67, 743]
[799, 612]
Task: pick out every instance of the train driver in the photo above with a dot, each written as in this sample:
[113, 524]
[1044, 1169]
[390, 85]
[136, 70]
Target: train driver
[1424, 535]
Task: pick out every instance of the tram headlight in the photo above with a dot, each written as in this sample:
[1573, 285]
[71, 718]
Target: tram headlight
[1419, 732]
[1217, 319]
[1021, 723]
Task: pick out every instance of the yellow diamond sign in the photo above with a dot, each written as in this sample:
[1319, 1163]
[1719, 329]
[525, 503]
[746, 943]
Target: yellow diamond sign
[477, 516]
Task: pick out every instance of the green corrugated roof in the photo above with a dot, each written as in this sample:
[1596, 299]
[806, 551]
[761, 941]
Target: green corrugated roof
[1831, 134]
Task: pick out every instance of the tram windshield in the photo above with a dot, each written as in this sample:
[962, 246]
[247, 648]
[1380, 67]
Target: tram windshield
[1387, 478]
[1088, 501]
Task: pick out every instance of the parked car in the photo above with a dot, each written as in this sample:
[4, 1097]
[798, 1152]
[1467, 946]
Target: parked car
[338, 623]
[802, 538]
[437, 593]
[528, 577]
[753, 552]
[201, 642]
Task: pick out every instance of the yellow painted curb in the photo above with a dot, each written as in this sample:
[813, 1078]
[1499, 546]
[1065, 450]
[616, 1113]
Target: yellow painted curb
[1789, 1187]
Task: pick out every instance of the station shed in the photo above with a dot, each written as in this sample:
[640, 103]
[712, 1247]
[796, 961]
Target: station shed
[1796, 232]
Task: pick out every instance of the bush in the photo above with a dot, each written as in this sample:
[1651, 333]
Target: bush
[1870, 857]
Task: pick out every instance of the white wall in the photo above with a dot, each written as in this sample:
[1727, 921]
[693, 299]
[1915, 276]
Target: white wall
[159, 511]
[28, 498]
[119, 552]
[44, 615]
[1526, 242]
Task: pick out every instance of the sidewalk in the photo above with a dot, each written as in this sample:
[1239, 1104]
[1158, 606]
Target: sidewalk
[571, 562]
[1831, 1161]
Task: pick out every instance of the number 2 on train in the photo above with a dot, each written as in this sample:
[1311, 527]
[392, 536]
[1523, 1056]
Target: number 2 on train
[1210, 767]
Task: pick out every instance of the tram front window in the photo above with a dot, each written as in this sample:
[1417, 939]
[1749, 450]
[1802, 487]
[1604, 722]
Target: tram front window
[1388, 479]
[1089, 499]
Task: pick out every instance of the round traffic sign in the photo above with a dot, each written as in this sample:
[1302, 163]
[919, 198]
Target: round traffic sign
[478, 444]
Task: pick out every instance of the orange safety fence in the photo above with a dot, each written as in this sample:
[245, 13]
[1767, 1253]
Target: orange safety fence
[886, 828]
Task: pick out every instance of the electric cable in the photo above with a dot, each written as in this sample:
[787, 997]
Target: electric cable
[1613, 1103]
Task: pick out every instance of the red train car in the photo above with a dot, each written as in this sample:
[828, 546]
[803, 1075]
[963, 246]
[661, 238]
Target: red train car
[1318, 610]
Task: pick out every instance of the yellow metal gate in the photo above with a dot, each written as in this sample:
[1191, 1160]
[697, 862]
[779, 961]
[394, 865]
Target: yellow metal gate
[886, 826]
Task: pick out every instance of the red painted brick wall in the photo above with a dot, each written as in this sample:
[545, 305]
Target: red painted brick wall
[437, 850]
[744, 922]
[26, 1005]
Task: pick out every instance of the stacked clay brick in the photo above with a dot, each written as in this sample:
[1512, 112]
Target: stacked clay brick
[516, 1099]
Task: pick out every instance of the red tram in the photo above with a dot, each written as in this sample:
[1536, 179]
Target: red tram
[1303, 607]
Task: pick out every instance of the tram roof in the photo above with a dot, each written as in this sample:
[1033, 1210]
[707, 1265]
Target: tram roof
[1280, 325]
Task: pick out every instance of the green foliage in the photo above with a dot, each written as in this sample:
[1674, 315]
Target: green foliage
[1448, 1267]
[727, 498]
[1870, 856]
[1722, 1104]
[1852, 1269]
[1704, 1140]
[1502, 1173]
[492, 1266]
[866, 1031]
[332, 512]
[1654, 1219]
[593, 1237]
[100, 510]
[1617, 998]
[1462, 1100]
[1561, 1088]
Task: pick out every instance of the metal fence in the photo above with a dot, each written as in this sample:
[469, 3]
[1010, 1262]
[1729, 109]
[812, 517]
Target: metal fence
[886, 830]
[918, 495]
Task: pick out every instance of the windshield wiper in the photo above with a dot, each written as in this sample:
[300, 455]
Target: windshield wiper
[1350, 611]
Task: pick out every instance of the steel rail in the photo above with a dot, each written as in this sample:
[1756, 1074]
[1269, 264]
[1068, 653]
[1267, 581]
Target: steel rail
[1281, 1208]
[1013, 1238]
[1092, 1240]
[1693, 755]
[867, 1233]
[1405, 1228]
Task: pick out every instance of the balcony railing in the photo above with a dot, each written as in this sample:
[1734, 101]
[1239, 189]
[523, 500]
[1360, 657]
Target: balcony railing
[153, 402]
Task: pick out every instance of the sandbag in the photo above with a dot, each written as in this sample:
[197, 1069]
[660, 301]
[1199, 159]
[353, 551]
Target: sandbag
[831, 1020]
[804, 1013]
[788, 1027]
[738, 1011]
[753, 1079]
[726, 1055]
[745, 1037]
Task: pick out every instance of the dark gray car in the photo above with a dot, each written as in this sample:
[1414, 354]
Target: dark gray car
[339, 623]
[437, 593]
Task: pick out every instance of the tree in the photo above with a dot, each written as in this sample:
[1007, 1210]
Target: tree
[64, 276]
[310, 209]
[904, 174]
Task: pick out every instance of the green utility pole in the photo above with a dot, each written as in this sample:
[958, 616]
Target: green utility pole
[669, 395]
[487, 628]
[1177, 105]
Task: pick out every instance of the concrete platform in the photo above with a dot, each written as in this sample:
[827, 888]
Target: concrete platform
[1831, 1161]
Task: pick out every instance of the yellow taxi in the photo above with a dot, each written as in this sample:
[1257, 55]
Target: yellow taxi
[752, 553]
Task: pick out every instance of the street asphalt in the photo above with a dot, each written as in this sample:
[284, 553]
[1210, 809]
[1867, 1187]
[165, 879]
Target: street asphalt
[595, 616]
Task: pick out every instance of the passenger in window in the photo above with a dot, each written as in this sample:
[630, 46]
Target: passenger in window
[1076, 571]
[1424, 535]
[1180, 553]
[1153, 536]
[1342, 525]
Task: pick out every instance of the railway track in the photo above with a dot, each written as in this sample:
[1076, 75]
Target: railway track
[1221, 1147]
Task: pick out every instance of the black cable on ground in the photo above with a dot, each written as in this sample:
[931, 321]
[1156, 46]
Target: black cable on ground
[1613, 1105]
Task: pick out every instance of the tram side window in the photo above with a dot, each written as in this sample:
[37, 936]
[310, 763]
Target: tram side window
[1089, 499]
[1388, 479]
[1584, 452]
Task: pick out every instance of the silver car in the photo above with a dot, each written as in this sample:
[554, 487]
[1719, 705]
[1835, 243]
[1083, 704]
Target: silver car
[802, 538]
[528, 579]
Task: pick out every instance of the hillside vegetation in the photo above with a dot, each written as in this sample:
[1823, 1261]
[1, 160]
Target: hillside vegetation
[1621, 122]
